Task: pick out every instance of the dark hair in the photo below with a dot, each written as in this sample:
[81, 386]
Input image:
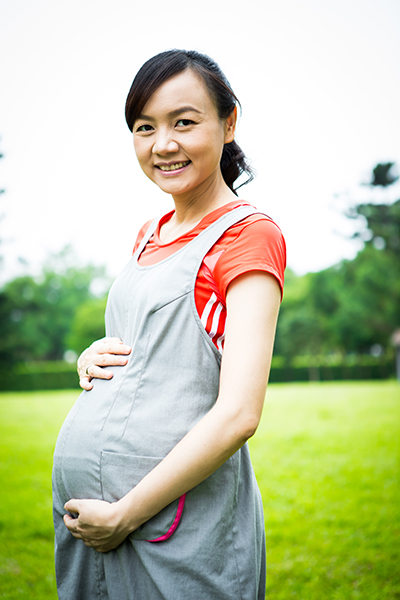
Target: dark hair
[165, 65]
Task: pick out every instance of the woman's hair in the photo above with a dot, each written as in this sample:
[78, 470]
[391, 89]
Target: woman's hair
[165, 65]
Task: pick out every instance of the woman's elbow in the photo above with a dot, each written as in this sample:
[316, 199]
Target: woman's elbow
[246, 426]
[251, 427]
[237, 423]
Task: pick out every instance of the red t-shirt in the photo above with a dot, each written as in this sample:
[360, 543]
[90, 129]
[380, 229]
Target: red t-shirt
[254, 244]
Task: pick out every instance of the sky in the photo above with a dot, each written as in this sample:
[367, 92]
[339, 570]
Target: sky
[318, 81]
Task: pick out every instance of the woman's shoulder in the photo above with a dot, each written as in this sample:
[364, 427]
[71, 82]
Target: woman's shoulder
[254, 243]
[258, 224]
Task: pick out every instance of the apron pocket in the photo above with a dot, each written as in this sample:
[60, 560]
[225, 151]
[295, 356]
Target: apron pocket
[120, 473]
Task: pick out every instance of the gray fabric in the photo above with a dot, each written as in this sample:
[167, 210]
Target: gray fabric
[120, 430]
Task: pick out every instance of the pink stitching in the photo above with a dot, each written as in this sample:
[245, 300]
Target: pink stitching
[175, 524]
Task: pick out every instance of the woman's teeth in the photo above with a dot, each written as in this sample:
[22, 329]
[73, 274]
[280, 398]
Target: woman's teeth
[174, 167]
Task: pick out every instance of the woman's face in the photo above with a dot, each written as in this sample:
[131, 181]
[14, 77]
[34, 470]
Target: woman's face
[179, 136]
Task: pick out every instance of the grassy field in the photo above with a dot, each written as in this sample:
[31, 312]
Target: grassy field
[327, 460]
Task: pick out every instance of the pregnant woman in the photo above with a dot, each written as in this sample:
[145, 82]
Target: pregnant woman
[155, 496]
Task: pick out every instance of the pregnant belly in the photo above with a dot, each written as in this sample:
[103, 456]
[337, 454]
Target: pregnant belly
[84, 434]
[96, 423]
[84, 467]
[127, 415]
[76, 455]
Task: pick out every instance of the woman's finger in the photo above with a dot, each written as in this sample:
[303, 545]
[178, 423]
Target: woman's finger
[110, 360]
[106, 352]
[71, 524]
[95, 372]
[92, 366]
[116, 349]
[109, 346]
[85, 383]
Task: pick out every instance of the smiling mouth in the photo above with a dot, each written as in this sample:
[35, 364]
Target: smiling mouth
[174, 166]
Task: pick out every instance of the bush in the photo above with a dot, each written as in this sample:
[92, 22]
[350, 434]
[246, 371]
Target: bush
[332, 368]
[51, 375]
[59, 375]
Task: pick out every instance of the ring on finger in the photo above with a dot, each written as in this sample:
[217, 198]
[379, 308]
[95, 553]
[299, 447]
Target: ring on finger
[87, 370]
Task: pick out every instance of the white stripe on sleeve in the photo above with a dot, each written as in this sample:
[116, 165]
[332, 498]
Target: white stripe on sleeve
[219, 342]
[215, 321]
[207, 309]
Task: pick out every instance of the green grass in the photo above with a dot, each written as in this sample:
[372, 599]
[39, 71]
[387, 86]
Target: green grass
[327, 461]
[29, 424]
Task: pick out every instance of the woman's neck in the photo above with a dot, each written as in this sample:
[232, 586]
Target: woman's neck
[190, 210]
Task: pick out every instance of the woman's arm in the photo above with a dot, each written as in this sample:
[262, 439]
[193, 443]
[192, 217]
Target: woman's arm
[252, 309]
[102, 353]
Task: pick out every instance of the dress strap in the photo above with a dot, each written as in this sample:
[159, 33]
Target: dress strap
[207, 238]
[146, 237]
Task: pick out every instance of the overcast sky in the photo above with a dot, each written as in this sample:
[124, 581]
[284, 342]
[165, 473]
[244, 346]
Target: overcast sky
[319, 85]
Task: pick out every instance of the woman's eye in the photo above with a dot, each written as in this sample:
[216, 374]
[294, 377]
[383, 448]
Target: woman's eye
[184, 122]
[144, 128]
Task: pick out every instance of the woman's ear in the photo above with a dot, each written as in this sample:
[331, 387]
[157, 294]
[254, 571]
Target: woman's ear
[230, 126]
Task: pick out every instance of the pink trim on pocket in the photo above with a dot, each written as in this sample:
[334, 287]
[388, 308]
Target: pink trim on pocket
[175, 524]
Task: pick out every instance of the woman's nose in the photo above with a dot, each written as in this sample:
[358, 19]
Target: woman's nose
[165, 143]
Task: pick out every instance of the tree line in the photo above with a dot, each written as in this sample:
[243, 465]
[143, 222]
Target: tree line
[350, 308]
[42, 318]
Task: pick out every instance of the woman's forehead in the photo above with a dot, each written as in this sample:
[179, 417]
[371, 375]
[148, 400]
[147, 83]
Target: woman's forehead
[186, 89]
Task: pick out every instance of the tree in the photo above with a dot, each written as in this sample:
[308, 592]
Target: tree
[384, 175]
[382, 221]
[87, 324]
[354, 305]
[367, 301]
[298, 331]
[36, 314]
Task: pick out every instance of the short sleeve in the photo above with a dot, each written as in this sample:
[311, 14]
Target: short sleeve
[258, 246]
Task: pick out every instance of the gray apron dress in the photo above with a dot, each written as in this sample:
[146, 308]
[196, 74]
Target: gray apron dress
[207, 545]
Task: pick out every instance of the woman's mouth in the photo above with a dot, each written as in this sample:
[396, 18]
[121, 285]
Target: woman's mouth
[178, 166]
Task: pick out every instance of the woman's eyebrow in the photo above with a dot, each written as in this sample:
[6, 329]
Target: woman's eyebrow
[178, 111]
[172, 113]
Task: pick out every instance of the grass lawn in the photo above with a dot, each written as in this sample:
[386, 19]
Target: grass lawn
[327, 461]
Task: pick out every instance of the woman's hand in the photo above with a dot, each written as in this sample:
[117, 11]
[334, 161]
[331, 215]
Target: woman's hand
[99, 524]
[106, 352]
